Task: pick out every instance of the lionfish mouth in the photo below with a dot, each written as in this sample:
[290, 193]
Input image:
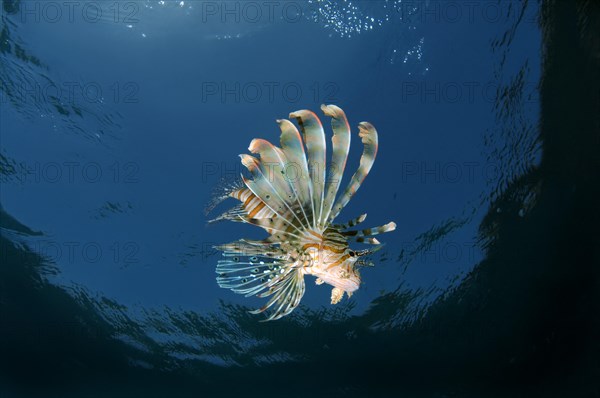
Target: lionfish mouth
[293, 196]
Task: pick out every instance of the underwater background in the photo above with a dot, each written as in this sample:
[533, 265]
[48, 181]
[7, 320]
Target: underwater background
[119, 118]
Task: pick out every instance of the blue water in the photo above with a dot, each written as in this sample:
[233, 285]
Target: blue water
[119, 120]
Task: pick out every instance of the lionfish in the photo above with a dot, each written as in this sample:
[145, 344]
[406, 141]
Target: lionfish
[292, 195]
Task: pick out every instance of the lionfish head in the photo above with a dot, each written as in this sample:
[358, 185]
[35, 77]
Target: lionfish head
[335, 269]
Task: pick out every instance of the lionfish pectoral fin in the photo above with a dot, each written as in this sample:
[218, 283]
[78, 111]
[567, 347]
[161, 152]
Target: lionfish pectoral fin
[287, 291]
[250, 268]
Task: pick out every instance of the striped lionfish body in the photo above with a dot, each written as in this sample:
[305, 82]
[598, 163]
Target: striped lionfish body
[293, 196]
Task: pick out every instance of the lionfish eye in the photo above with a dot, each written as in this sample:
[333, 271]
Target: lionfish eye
[352, 253]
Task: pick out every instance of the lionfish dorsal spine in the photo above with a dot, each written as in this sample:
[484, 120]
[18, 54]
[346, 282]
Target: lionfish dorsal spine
[296, 170]
[263, 189]
[371, 231]
[368, 134]
[351, 223]
[314, 139]
[273, 165]
[340, 149]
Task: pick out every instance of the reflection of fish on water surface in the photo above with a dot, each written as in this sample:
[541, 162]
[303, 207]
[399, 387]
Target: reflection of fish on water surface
[289, 197]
